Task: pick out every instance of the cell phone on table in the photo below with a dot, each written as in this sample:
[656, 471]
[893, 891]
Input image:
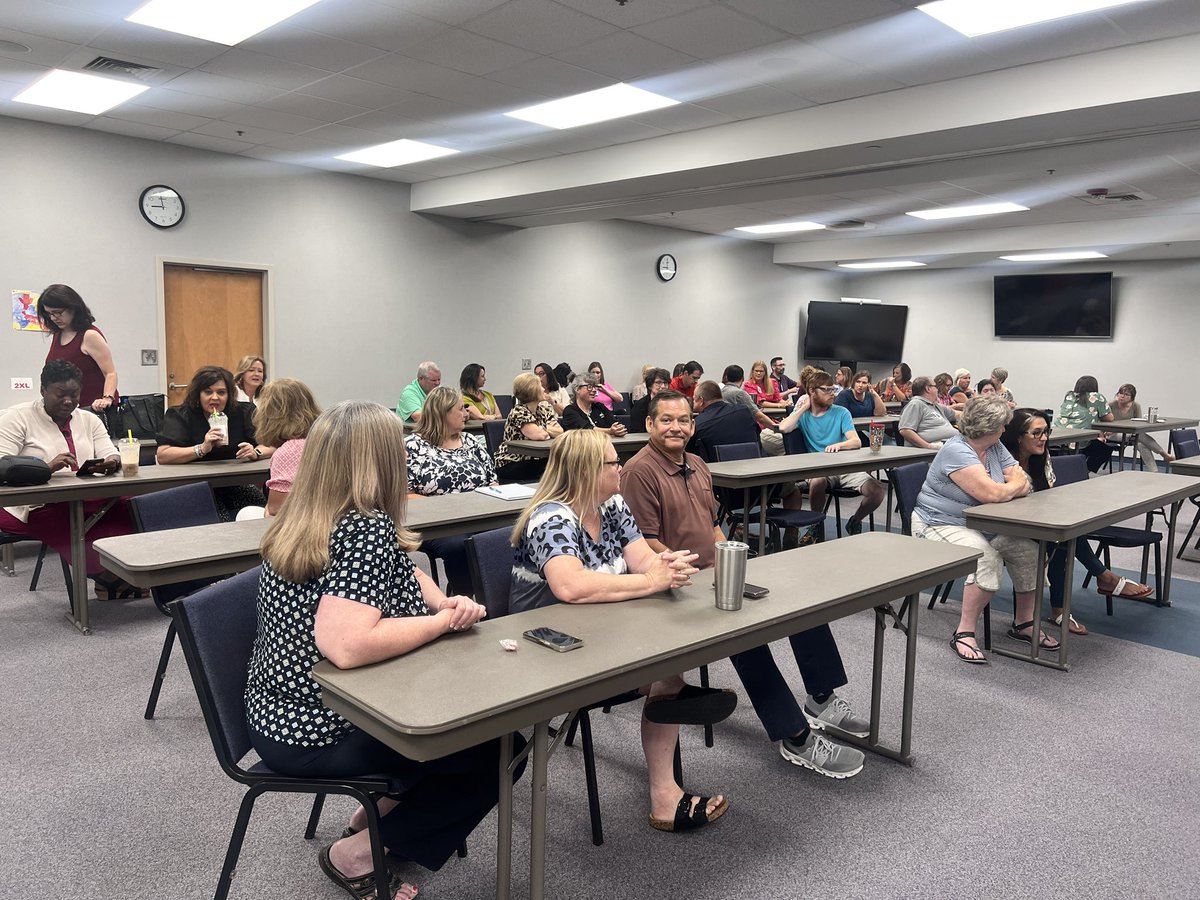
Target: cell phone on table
[91, 467]
[555, 640]
[754, 591]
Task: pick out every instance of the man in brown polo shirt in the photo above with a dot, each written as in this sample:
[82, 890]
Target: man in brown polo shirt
[670, 493]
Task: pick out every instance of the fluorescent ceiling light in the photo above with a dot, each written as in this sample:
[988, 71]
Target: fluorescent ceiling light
[1056, 257]
[972, 209]
[396, 153]
[78, 92]
[593, 106]
[781, 227]
[976, 17]
[220, 21]
[894, 264]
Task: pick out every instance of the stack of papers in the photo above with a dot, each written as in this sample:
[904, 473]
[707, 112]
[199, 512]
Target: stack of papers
[508, 491]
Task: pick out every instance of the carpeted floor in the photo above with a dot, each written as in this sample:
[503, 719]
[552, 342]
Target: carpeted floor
[1028, 782]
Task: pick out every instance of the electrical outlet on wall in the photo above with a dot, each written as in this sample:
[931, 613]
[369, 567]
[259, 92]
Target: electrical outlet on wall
[149, 357]
[526, 364]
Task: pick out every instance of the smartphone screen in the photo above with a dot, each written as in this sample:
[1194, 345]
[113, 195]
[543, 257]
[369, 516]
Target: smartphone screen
[91, 467]
[555, 640]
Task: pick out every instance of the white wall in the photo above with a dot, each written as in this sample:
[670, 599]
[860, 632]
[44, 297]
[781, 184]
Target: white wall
[1156, 328]
[365, 289]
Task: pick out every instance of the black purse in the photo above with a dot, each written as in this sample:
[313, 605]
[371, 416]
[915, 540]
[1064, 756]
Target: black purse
[140, 413]
[23, 471]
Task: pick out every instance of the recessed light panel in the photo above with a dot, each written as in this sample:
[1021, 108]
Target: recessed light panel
[892, 264]
[78, 92]
[1064, 256]
[976, 17]
[971, 209]
[612, 102]
[396, 153]
[781, 227]
[220, 21]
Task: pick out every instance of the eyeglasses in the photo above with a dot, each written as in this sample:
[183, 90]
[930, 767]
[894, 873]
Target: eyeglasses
[1038, 432]
[827, 390]
[56, 313]
[590, 388]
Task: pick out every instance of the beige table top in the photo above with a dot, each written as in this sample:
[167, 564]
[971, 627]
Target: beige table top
[1060, 436]
[1071, 510]
[745, 473]
[1141, 426]
[406, 703]
[208, 551]
[1189, 466]
[878, 420]
[626, 445]
[149, 479]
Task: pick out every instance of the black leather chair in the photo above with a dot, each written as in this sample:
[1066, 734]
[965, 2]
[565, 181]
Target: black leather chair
[181, 507]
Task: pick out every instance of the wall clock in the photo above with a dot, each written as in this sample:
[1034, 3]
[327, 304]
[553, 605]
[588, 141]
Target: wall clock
[161, 206]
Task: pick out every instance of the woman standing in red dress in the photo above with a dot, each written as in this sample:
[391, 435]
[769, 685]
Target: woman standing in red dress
[77, 340]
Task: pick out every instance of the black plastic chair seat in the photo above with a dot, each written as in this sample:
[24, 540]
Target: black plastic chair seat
[1120, 536]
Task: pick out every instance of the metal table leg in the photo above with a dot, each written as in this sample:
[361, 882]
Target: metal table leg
[79, 595]
[537, 822]
[504, 820]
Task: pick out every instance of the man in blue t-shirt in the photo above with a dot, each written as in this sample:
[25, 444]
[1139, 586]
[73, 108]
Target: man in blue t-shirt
[827, 429]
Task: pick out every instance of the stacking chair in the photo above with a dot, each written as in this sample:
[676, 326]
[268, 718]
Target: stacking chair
[1183, 449]
[504, 402]
[794, 442]
[181, 507]
[7, 540]
[1070, 469]
[216, 628]
[493, 434]
[1182, 434]
[778, 518]
[490, 556]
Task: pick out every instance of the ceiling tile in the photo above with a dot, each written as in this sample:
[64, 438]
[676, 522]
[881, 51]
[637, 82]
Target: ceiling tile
[41, 113]
[683, 117]
[191, 104]
[236, 132]
[363, 22]
[636, 13]
[221, 88]
[125, 39]
[395, 126]
[808, 71]
[206, 142]
[810, 17]
[312, 107]
[260, 117]
[752, 102]
[310, 49]
[452, 12]
[542, 26]
[161, 118]
[468, 52]
[545, 74]
[266, 70]
[20, 72]
[483, 94]
[413, 75]
[711, 31]
[131, 129]
[625, 56]
[344, 136]
[53, 20]
[353, 91]
[43, 51]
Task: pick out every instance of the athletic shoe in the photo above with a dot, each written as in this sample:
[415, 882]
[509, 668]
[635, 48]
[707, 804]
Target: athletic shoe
[834, 715]
[854, 526]
[822, 755]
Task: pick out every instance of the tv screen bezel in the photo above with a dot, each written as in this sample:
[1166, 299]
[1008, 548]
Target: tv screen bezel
[1112, 308]
[841, 304]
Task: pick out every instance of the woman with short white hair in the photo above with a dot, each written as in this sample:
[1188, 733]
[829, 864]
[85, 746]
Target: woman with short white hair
[971, 469]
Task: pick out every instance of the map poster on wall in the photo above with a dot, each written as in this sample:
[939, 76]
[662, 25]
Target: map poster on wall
[25, 313]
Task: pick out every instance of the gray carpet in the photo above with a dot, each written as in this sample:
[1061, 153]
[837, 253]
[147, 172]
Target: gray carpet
[1028, 782]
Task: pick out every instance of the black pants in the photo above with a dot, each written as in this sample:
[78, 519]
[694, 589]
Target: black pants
[452, 551]
[1097, 453]
[521, 470]
[820, 665]
[444, 799]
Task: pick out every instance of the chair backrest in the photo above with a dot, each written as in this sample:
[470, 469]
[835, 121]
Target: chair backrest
[217, 627]
[1070, 469]
[727, 452]
[624, 419]
[908, 481]
[1182, 434]
[628, 395]
[493, 434]
[180, 507]
[490, 557]
[504, 402]
[794, 442]
[1186, 448]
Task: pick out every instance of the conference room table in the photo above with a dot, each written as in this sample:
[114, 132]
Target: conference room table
[627, 445]
[215, 551]
[766, 471]
[74, 491]
[1069, 512]
[469, 425]
[1135, 428]
[405, 704]
[1189, 466]
[1062, 436]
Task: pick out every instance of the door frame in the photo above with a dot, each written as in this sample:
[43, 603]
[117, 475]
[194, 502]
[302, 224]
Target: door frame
[268, 295]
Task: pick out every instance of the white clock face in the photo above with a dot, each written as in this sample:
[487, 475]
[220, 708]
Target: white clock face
[667, 268]
[162, 206]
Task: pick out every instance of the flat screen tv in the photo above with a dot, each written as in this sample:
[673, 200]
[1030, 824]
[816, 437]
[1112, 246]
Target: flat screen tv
[863, 332]
[1078, 305]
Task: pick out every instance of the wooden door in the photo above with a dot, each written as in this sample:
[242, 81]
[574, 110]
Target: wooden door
[213, 317]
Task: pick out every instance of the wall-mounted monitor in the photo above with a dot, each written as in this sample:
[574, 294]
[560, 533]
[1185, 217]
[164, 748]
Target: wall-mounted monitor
[863, 332]
[1077, 305]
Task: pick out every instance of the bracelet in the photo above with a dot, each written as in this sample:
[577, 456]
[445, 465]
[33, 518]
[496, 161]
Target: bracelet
[200, 451]
[257, 453]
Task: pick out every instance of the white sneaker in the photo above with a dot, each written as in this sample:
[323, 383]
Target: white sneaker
[822, 755]
[834, 716]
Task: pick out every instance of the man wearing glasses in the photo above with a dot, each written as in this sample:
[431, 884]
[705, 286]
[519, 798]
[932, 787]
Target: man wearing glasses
[827, 429]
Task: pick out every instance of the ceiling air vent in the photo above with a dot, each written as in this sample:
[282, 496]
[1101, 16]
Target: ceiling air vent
[850, 225]
[109, 66]
[1101, 197]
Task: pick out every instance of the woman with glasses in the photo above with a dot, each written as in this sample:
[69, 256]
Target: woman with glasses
[577, 542]
[654, 381]
[1026, 437]
[763, 388]
[552, 392]
[1125, 406]
[75, 338]
[585, 412]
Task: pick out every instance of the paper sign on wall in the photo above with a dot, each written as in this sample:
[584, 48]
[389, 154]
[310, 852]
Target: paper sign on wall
[22, 384]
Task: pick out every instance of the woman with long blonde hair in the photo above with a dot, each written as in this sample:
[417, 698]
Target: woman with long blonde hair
[337, 583]
[286, 410]
[250, 377]
[763, 388]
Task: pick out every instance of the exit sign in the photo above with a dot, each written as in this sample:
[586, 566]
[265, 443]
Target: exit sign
[22, 384]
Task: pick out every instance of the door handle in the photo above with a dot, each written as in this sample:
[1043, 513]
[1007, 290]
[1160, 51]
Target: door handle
[177, 387]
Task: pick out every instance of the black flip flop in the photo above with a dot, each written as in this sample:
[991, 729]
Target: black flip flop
[1015, 634]
[689, 818]
[958, 639]
[692, 706]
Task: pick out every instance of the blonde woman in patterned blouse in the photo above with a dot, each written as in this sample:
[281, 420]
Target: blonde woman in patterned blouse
[338, 583]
